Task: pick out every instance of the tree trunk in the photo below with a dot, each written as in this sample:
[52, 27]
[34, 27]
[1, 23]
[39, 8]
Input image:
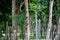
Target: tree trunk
[14, 36]
[27, 21]
[7, 31]
[50, 20]
[37, 27]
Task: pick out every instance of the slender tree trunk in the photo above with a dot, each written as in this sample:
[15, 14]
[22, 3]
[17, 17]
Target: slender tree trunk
[7, 31]
[27, 21]
[37, 27]
[50, 20]
[38, 30]
[14, 36]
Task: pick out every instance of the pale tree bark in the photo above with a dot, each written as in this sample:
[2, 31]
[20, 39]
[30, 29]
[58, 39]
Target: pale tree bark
[38, 24]
[27, 21]
[50, 20]
[7, 31]
[14, 35]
